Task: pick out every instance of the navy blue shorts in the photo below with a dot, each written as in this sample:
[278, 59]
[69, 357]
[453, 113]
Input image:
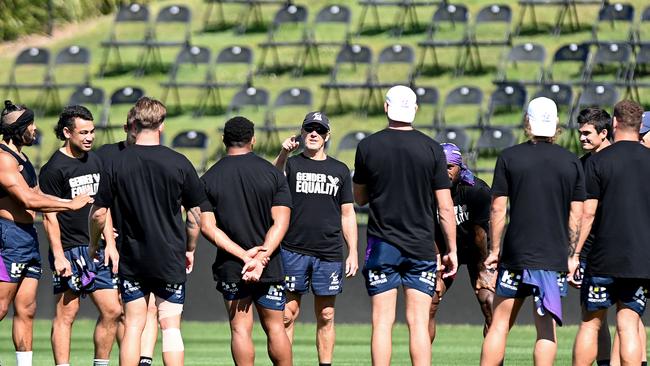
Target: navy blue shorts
[267, 295]
[303, 271]
[103, 277]
[599, 293]
[509, 284]
[386, 268]
[19, 252]
[133, 290]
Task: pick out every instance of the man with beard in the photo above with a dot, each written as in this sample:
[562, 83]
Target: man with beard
[20, 197]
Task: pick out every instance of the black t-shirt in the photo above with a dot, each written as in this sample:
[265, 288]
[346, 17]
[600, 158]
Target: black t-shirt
[618, 178]
[107, 153]
[541, 180]
[67, 177]
[149, 184]
[584, 252]
[318, 189]
[241, 191]
[401, 170]
[472, 208]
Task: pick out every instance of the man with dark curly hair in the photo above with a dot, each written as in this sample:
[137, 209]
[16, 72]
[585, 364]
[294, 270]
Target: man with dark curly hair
[72, 170]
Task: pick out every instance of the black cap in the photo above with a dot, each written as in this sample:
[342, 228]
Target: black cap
[316, 117]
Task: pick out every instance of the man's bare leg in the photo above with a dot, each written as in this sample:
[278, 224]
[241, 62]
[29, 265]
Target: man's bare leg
[504, 316]
[383, 318]
[418, 305]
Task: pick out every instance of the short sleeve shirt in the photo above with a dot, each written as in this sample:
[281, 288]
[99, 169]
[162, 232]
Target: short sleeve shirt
[541, 180]
[149, 184]
[401, 171]
[318, 189]
[618, 178]
[67, 177]
[241, 191]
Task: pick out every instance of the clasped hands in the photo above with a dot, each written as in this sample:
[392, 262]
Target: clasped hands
[255, 261]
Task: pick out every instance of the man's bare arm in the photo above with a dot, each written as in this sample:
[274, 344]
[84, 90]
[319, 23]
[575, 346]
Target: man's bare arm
[193, 228]
[96, 225]
[575, 223]
[349, 228]
[447, 219]
[586, 222]
[12, 181]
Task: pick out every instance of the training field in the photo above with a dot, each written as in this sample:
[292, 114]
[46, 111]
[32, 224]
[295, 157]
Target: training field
[208, 344]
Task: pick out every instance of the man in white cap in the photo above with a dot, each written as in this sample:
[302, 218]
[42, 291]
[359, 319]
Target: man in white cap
[401, 172]
[545, 185]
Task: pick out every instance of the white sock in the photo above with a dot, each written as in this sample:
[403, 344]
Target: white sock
[24, 358]
[98, 362]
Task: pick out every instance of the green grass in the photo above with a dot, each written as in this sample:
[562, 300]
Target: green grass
[208, 343]
[92, 32]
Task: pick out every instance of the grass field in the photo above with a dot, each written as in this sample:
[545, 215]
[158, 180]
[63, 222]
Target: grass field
[90, 33]
[208, 344]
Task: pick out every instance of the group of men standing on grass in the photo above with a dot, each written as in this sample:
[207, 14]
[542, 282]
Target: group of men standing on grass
[114, 220]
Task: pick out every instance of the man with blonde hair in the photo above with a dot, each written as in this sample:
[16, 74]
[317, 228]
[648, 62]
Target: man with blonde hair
[149, 184]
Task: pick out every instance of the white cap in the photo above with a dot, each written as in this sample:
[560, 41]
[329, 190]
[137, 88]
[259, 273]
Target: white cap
[402, 104]
[542, 117]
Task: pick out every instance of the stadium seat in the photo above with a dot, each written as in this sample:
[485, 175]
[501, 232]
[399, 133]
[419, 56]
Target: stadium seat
[331, 28]
[611, 59]
[567, 9]
[255, 99]
[92, 98]
[192, 140]
[427, 99]
[641, 33]
[250, 15]
[492, 141]
[30, 71]
[457, 136]
[233, 69]
[130, 29]
[71, 67]
[352, 71]
[619, 17]
[350, 141]
[570, 64]
[525, 63]
[449, 28]
[507, 103]
[562, 95]
[491, 29]
[406, 17]
[174, 21]
[123, 99]
[288, 22]
[639, 71]
[190, 71]
[596, 95]
[394, 66]
[289, 107]
[462, 99]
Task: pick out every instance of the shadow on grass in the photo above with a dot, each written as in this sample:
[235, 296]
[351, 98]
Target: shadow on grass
[436, 70]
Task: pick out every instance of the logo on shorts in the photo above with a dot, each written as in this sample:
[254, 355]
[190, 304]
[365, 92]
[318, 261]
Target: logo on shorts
[129, 286]
[334, 283]
[175, 288]
[376, 278]
[640, 296]
[597, 294]
[290, 283]
[275, 292]
[229, 287]
[428, 277]
[17, 269]
[510, 280]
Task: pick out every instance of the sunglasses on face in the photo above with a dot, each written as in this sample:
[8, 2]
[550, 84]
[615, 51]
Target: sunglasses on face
[321, 130]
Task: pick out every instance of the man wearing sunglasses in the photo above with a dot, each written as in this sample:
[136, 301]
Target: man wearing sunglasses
[322, 218]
